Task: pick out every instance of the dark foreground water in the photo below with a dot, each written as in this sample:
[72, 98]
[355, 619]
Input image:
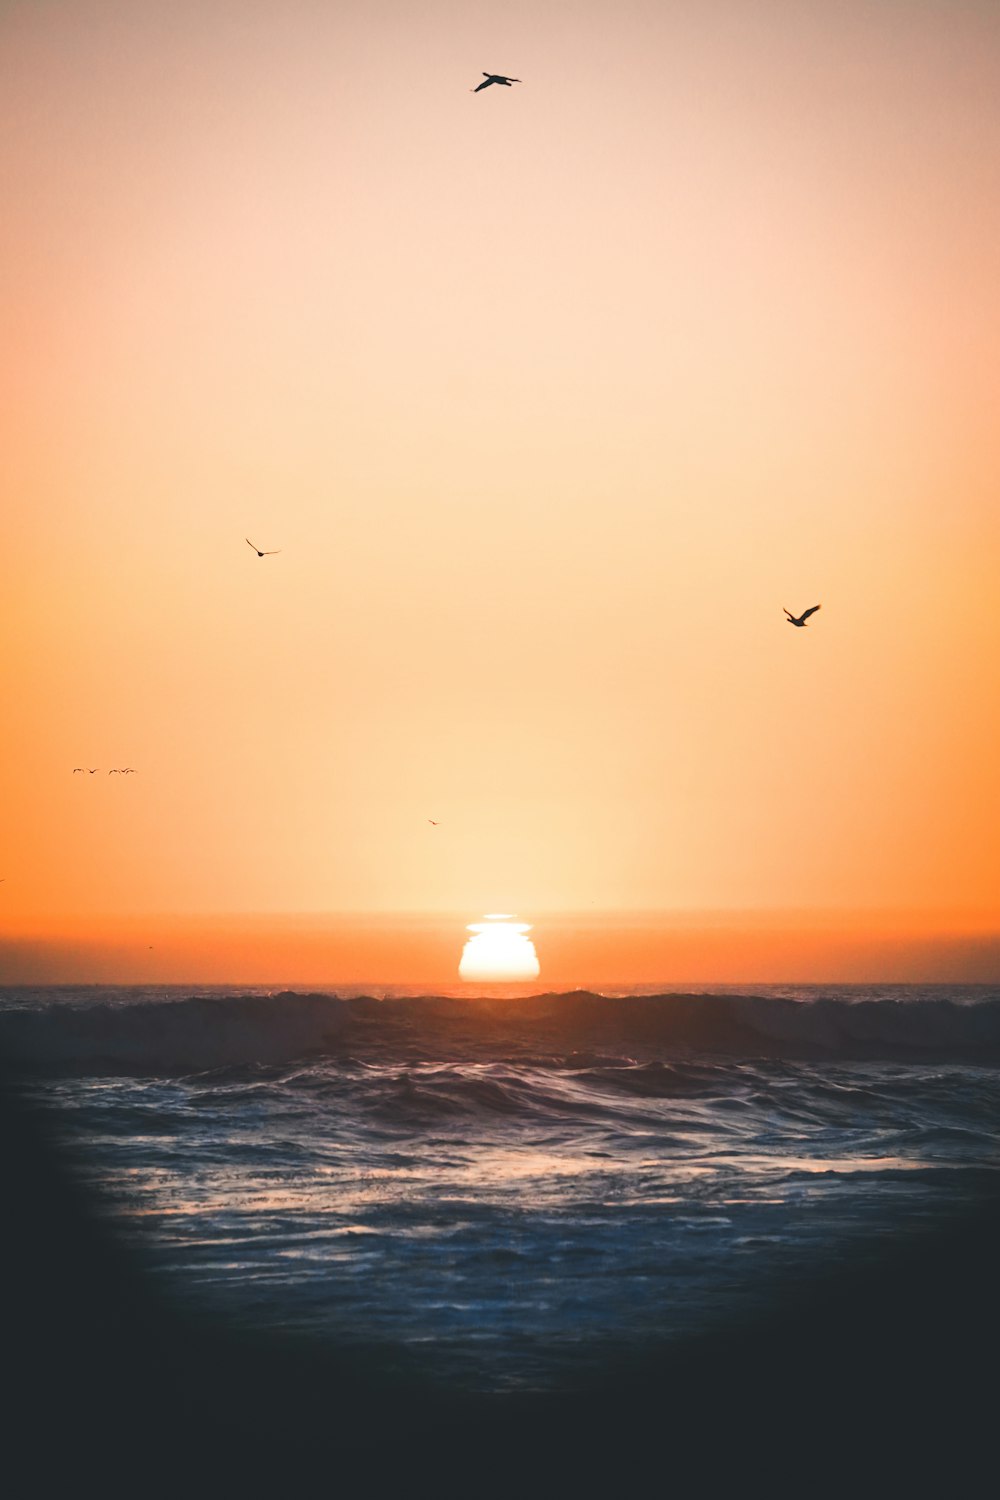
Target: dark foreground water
[507, 1188]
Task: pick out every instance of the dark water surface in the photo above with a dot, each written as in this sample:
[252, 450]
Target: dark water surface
[505, 1188]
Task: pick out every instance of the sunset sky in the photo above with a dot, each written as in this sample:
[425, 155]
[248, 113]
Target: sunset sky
[551, 397]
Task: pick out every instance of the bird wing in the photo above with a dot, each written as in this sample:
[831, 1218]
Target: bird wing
[250, 544]
[788, 613]
[807, 612]
[482, 85]
[274, 553]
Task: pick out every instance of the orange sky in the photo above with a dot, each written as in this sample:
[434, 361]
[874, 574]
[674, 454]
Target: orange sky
[551, 397]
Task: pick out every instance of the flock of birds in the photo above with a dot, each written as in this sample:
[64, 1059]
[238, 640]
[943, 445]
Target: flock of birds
[502, 78]
[797, 620]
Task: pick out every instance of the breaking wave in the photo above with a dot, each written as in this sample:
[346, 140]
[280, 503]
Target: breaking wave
[204, 1032]
[189, 1035]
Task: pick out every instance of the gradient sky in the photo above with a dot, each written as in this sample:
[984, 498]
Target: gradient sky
[552, 397]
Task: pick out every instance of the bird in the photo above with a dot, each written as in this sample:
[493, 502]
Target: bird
[494, 78]
[258, 551]
[114, 773]
[82, 770]
[94, 770]
[434, 821]
[802, 618]
[76, 769]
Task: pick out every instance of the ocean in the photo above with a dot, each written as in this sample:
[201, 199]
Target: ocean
[505, 1192]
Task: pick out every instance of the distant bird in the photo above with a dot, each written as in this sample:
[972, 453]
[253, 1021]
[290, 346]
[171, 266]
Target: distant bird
[82, 769]
[95, 770]
[802, 618]
[76, 769]
[114, 773]
[434, 821]
[258, 551]
[494, 78]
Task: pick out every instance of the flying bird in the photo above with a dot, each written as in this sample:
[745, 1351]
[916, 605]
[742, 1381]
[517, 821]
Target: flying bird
[494, 78]
[258, 551]
[434, 821]
[802, 618]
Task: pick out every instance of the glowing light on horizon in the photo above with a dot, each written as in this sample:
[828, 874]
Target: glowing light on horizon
[499, 950]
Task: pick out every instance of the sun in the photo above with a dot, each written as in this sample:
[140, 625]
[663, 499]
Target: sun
[498, 950]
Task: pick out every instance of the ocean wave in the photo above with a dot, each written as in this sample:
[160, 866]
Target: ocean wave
[752, 1026]
[199, 1033]
[177, 1036]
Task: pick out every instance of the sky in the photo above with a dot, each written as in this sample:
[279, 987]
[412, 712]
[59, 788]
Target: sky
[552, 397]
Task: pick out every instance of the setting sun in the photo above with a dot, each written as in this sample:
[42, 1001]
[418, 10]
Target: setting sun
[499, 950]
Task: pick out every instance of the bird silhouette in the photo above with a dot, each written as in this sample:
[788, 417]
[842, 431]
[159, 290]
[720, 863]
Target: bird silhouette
[76, 769]
[802, 618]
[494, 78]
[434, 821]
[84, 770]
[258, 551]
